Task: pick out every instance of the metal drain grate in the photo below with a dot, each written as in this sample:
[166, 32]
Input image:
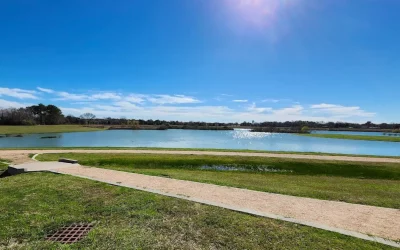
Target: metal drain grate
[71, 234]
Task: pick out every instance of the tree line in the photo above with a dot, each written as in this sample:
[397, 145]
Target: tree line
[33, 115]
[52, 115]
[40, 115]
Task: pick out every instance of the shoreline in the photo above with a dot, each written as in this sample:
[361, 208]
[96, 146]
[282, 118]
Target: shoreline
[200, 150]
[355, 137]
[187, 151]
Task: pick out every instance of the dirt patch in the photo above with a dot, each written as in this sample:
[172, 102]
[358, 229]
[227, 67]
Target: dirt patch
[15, 157]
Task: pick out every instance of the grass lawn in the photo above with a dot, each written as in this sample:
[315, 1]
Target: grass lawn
[40, 129]
[363, 183]
[38, 203]
[199, 149]
[3, 165]
[355, 137]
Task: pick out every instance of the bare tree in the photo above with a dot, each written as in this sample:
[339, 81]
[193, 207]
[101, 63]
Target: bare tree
[87, 117]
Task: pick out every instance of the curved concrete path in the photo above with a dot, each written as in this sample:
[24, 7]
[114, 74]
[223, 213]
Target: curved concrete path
[366, 222]
[20, 156]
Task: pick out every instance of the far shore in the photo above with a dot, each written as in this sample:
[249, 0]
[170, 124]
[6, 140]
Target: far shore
[41, 129]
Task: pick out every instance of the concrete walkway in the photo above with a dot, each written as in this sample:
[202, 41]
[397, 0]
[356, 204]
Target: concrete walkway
[366, 222]
[20, 156]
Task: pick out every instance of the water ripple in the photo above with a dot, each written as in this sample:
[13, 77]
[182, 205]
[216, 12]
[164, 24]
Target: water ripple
[247, 134]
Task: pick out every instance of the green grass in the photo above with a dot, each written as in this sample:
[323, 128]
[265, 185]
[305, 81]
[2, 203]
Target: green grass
[3, 165]
[37, 204]
[40, 129]
[375, 184]
[355, 137]
[200, 149]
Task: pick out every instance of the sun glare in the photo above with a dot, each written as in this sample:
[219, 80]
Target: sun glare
[259, 12]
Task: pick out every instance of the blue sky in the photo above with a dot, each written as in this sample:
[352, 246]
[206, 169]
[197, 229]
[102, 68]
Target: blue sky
[210, 60]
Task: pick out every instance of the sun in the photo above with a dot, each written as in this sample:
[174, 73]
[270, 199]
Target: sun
[259, 12]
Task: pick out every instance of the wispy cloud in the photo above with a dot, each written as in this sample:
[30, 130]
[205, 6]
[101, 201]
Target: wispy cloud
[126, 105]
[106, 96]
[294, 110]
[323, 106]
[18, 93]
[135, 98]
[253, 108]
[81, 103]
[10, 104]
[184, 113]
[172, 107]
[270, 100]
[340, 110]
[206, 113]
[273, 100]
[49, 91]
[172, 99]
[65, 96]
[130, 97]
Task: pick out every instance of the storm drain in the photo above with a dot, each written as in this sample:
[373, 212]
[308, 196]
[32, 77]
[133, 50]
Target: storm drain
[71, 234]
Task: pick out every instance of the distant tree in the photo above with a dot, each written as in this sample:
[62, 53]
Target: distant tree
[43, 114]
[88, 117]
[70, 119]
[123, 121]
[39, 111]
[12, 116]
[53, 115]
[383, 125]
[245, 124]
[108, 120]
[368, 124]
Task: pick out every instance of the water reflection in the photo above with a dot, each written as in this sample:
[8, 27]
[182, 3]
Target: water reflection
[265, 169]
[237, 139]
[247, 134]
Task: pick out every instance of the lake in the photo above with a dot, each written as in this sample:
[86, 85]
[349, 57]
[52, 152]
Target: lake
[237, 139]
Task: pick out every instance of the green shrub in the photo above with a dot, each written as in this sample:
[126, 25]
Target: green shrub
[305, 130]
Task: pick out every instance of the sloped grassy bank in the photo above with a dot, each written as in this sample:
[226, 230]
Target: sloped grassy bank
[39, 203]
[375, 184]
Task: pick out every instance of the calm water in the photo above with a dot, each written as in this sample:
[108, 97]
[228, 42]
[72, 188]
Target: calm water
[238, 139]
